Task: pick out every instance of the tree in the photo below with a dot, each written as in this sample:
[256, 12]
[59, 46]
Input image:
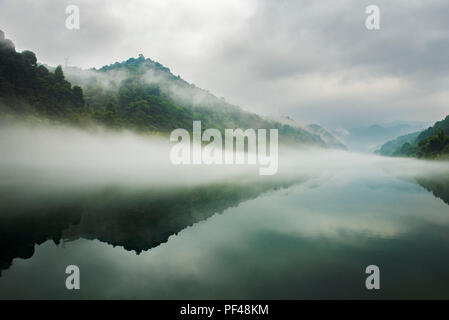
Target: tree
[43, 71]
[30, 57]
[434, 144]
[78, 96]
[59, 74]
[110, 107]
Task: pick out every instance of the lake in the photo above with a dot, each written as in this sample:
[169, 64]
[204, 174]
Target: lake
[308, 234]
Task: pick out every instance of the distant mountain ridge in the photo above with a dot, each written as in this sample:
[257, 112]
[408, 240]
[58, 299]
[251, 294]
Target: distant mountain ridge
[330, 140]
[369, 138]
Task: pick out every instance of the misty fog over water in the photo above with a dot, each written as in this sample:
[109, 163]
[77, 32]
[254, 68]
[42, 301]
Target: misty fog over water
[99, 156]
[139, 227]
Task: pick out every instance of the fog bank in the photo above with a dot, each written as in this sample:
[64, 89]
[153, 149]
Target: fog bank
[61, 157]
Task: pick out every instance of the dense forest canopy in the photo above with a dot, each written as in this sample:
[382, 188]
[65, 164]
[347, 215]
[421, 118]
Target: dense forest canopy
[26, 87]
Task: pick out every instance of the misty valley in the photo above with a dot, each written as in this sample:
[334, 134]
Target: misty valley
[95, 176]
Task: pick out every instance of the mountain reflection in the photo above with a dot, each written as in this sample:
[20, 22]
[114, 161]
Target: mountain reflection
[136, 219]
[438, 185]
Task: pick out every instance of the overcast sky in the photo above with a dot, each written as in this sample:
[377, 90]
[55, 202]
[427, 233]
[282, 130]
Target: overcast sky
[312, 60]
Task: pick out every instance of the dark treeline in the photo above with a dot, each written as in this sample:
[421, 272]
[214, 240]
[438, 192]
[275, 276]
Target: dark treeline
[26, 87]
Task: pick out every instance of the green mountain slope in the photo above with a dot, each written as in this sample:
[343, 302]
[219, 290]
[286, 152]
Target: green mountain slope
[390, 147]
[142, 93]
[442, 125]
[432, 143]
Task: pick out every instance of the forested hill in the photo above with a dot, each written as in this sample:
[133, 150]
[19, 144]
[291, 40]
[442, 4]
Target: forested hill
[145, 94]
[26, 87]
[431, 143]
[138, 94]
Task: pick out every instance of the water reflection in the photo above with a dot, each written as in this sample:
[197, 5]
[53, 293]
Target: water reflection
[307, 240]
[287, 244]
[138, 228]
[134, 218]
[438, 185]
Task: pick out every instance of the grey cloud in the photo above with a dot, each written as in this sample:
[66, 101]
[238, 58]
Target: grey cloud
[313, 60]
[316, 35]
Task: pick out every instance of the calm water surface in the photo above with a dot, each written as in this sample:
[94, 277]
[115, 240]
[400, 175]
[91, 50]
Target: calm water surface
[286, 239]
